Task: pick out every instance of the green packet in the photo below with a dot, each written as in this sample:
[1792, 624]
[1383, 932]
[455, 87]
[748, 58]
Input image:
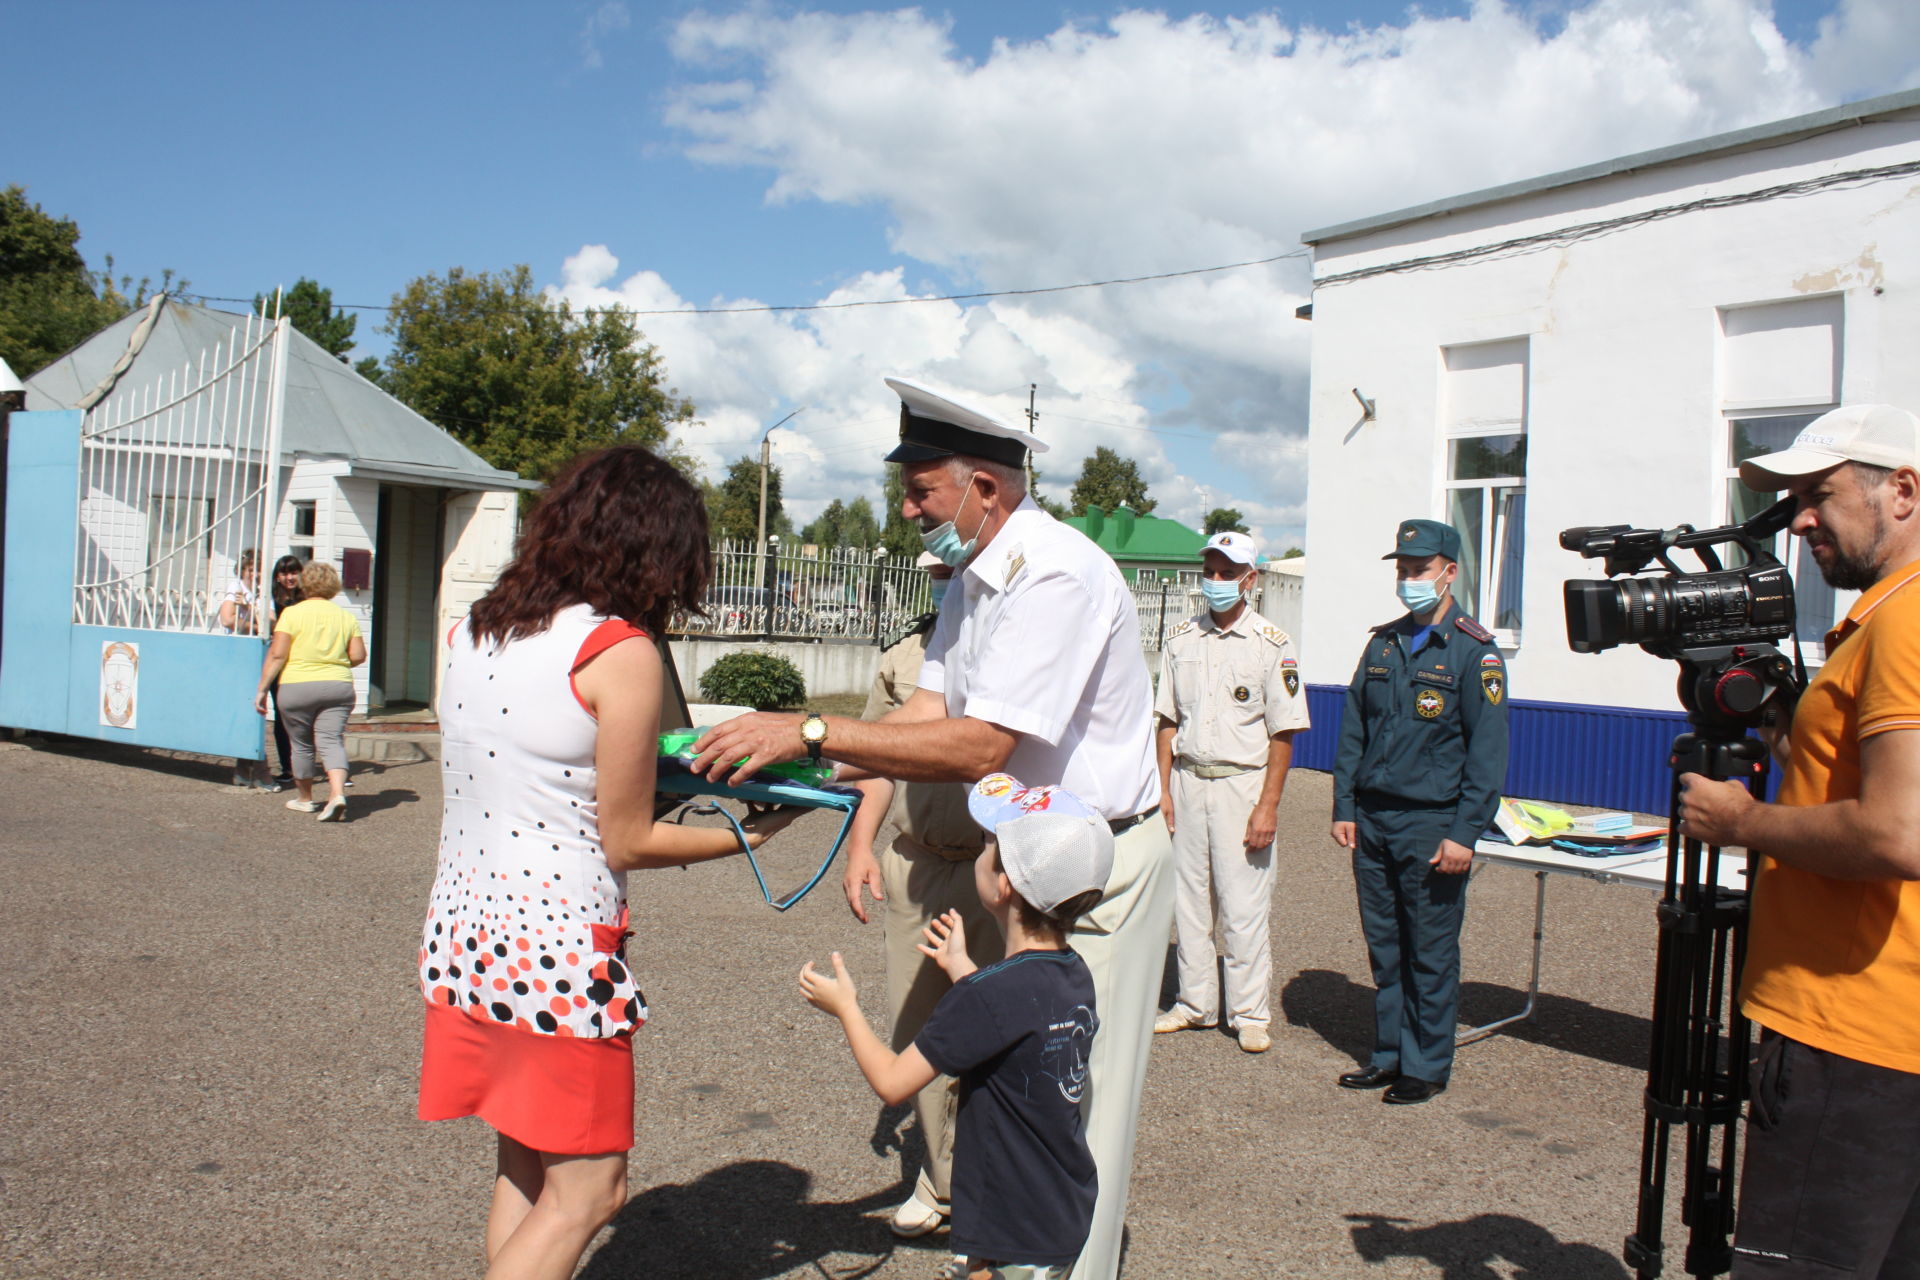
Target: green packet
[679, 743]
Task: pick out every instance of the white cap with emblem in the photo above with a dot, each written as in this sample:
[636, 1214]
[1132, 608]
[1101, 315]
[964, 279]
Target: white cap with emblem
[1237, 547]
[1881, 435]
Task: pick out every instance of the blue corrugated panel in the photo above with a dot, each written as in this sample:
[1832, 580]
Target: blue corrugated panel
[1566, 753]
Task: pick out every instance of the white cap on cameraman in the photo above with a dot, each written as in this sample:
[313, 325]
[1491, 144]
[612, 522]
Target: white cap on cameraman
[1881, 435]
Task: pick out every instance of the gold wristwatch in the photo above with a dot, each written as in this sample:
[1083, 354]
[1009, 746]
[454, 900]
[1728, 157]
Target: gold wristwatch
[813, 732]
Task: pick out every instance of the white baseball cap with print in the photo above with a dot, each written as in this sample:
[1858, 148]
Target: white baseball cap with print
[1881, 435]
[1237, 547]
[1053, 844]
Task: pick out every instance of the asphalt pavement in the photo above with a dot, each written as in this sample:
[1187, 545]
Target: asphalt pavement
[209, 1039]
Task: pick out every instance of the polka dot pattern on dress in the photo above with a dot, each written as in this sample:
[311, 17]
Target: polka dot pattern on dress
[526, 932]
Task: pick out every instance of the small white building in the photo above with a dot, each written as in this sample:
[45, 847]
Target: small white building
[1599, 346]
[418, 525]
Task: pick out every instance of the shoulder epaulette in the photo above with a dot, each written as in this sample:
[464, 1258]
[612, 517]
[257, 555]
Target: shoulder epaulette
[1182, 629]
[922, 623]
[1473, 629]
[1273, 635]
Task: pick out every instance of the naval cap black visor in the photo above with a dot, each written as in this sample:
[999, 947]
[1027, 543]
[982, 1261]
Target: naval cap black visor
[928, 439]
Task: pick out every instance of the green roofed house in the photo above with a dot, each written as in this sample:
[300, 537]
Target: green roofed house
[1148, 549]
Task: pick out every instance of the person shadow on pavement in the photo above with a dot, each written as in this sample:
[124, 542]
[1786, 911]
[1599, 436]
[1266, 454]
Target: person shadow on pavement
[750, 1220]
[1467, 1250]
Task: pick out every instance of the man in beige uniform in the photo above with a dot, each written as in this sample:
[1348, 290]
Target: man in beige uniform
[926, 871]
[1228, 706]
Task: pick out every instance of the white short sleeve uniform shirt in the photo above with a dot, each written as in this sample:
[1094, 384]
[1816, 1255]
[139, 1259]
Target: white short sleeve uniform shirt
[1043, 639]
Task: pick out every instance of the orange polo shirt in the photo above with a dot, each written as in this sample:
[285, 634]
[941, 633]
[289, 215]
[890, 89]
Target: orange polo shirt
[1836, 963]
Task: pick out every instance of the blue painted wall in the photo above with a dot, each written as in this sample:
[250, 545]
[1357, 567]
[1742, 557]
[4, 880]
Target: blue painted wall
[195, 691]
[1562, 753]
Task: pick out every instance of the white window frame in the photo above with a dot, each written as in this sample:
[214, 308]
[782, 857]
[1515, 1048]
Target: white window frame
[1789, 548]
[1493, 522]
[301, 544]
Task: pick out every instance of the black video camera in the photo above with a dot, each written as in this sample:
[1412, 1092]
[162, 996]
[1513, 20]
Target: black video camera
[1721, 625]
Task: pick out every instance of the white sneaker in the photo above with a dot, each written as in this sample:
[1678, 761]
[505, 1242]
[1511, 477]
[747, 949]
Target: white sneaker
[954, 1268]
[915, 1217]
[303, 806]
[1174, 1020]
[1254, 1038]
[334, 810]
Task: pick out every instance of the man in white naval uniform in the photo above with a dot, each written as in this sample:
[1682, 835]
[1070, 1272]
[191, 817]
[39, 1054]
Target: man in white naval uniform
[1229, 704]
[1034, 669]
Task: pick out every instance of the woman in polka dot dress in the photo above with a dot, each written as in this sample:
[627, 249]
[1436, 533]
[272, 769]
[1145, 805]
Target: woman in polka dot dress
[549, 720]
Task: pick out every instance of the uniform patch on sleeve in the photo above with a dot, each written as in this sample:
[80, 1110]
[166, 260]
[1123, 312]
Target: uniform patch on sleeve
[1493, 681]
[1292, 679]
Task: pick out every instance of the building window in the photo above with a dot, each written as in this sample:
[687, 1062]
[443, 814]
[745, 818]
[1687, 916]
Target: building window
[304, 523]
[1145, 577]
[1484, 487]
[1779, 370]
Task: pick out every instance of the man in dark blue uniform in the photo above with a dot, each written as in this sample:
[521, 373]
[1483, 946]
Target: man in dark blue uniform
[1423, 751]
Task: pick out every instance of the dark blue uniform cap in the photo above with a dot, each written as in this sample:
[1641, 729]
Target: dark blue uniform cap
[1425, 538]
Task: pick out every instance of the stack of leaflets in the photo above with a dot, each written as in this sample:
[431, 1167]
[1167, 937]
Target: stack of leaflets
[1594, 835]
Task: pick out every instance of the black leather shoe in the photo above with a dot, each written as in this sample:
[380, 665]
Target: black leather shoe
[1369, 1078]
[1407, 1091]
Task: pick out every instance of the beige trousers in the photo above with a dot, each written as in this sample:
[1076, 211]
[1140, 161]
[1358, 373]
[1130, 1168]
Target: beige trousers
[920, 884]
[1217, 877]
[1124, 944]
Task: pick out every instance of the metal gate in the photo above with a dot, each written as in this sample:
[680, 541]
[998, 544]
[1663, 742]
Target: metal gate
[179, 478]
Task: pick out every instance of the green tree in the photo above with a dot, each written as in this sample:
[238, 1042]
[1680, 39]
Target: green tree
[1225, 520]
[519, 378]
[49, 301]
[1108, 480]
[1292, 553]
[899, 535]
[828, 528]
[1052, 507]
[859, 528]
[310, 308]
[733, 505]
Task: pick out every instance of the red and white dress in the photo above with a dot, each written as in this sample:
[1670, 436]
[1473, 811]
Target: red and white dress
[530, 1004]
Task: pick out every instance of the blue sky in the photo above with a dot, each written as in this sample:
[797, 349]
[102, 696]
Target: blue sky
[244, 145]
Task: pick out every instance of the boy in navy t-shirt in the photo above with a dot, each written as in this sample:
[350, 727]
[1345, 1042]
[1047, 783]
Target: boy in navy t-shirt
[1016, 1034]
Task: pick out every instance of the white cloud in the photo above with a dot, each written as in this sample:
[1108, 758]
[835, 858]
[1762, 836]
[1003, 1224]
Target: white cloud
[1143, 144]
[610, 17]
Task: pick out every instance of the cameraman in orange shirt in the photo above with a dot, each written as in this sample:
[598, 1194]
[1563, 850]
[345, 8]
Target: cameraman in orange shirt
[1831, 1183]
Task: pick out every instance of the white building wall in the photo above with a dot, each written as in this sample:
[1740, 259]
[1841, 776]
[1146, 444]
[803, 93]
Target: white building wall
[1624, 403]
[346, 514]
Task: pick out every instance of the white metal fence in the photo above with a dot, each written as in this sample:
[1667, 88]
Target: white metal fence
[809, 593]
[847, 594]
[1162, 606]
[177, 481]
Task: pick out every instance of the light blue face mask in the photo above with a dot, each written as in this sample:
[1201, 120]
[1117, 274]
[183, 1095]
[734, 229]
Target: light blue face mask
[944, 543]
[1221, 596]
[1419, 594]
[939, 588]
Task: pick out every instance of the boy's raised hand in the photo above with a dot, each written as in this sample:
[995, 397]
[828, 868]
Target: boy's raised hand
[946, 945]
[833, 995]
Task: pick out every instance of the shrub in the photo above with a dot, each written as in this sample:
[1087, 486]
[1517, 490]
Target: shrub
[753, 678]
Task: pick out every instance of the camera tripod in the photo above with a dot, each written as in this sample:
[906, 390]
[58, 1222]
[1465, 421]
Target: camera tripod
[1697, 1070]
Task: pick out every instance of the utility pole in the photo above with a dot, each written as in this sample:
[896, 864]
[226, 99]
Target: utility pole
[1033, 425]
[766, 461]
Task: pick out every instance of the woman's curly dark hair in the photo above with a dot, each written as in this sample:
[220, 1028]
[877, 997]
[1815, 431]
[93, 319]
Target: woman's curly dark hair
[620, 530]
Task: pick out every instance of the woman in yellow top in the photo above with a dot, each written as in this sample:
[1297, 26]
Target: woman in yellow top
[316, 645]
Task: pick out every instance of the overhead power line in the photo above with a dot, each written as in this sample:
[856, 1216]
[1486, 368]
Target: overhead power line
[864, 302]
